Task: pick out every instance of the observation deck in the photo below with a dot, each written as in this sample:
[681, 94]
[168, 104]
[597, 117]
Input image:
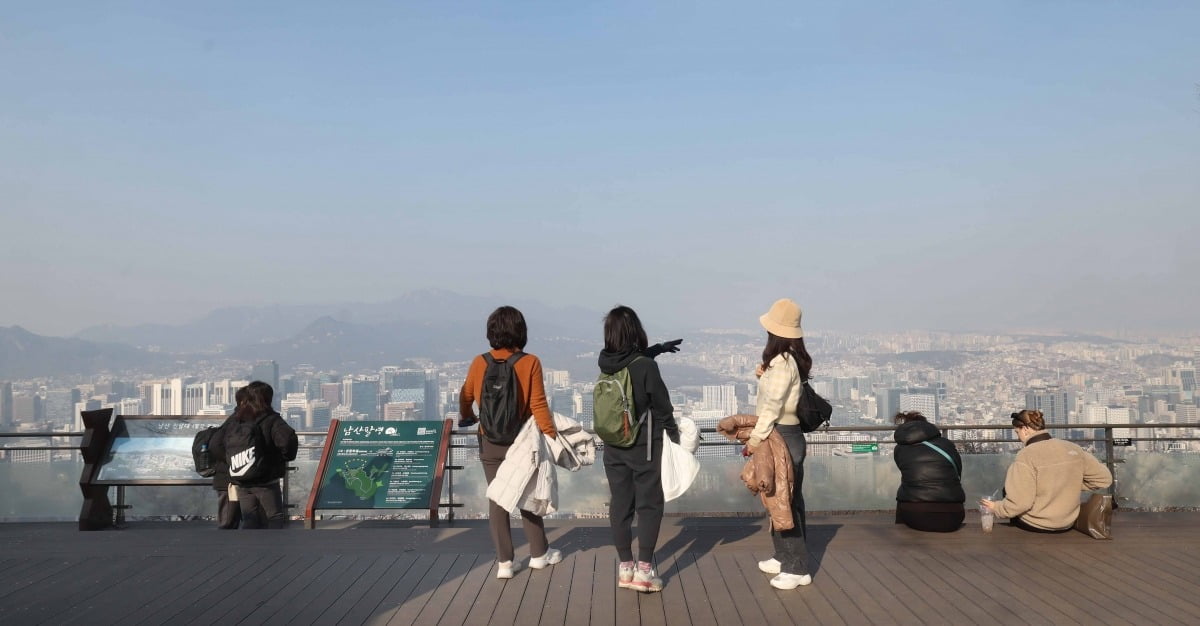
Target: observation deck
[867, 570]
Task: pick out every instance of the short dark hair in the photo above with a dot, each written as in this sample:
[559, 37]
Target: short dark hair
[777, 345]
[908, 416]
[506, 329]
[623, 331]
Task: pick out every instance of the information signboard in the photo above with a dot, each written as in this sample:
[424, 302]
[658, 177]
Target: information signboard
[1125, 441]
[864, 447]
[153, 450]
[381, 465]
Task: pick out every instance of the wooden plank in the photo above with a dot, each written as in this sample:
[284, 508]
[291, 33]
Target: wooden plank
[512, 590]
[531, 603]
[979, 594]
[582, 575]
[673, 600]
[1013, 592]
[1150, 588]
[429, 583]
[336, 609]
[169, 597]
[699, 605]
[360, 611]
[725, 607]
[1080, 586]
[24, 574]
[403, 587]
[120, 600]
[1159, 569]
[604, 588]
[902, 590]
[488, 598]
[443, 595]
[1021, 567]
[225, 589]
[745, 581]
[319, 591]
[469, 590]
[959, 606]
[558, 592]
[847, 574]
[85, 583]
[290, 586]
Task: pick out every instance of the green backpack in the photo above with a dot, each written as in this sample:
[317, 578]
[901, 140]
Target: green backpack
[612, 409]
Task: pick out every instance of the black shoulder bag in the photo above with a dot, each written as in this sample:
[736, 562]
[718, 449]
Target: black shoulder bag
[813, 410]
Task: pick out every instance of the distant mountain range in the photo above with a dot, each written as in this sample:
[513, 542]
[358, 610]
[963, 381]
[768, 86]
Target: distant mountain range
[26, 355]
[434, 324]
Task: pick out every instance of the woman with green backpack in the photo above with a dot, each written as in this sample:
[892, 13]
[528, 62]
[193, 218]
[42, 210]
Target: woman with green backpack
[633, 443]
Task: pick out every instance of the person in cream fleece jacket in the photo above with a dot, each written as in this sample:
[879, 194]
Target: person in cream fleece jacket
[1041, 490]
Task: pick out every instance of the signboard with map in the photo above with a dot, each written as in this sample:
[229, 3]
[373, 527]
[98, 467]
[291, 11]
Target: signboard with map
[153, 450]
[381, 465]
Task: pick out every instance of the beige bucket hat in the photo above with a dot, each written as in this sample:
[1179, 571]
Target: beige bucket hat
[783, 319]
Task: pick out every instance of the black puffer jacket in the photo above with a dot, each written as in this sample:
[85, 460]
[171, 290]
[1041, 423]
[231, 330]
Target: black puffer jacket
[926, 475]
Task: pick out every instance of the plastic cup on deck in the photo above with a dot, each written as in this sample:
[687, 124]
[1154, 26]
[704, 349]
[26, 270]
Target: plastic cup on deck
[986, 518]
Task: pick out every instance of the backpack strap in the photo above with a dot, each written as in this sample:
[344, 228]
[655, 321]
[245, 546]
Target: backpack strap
[943, 453]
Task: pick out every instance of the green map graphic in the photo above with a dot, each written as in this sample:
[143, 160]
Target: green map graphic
[361, 479]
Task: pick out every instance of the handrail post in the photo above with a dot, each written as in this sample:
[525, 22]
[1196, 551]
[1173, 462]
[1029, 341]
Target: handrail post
[1110, 446]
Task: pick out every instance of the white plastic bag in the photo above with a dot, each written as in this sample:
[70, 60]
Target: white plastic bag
[679, 469]
[689, 434]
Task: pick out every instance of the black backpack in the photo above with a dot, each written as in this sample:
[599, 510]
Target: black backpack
[247, 451]
[201, 455]
[500, 401]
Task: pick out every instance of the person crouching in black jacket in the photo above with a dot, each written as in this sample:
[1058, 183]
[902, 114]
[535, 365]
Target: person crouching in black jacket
[260, 498]
[931, 496]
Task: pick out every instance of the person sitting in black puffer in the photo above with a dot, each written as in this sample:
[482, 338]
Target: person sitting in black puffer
[930, 497]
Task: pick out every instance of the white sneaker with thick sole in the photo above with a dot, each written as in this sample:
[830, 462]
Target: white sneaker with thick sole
[770, 566]
[551, 557]
[505, 569]
[790, 581]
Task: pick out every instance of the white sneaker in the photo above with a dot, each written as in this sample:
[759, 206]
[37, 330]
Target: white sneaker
[505, 569]
[770, 566]
[551, 557]
[790, 581]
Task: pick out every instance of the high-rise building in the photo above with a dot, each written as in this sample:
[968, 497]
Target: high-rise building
[362, 396]
[27, 408]
[721, 398]
[294, 410]
[91, 404]
[562, 401]
[331, 393]
[923, 401]
[433, 388]
[268, 372]
[887, 403]
[1054, 403]
[59, 405]
[167, 397]
[6, 406]
[195, 397]
[319, 415]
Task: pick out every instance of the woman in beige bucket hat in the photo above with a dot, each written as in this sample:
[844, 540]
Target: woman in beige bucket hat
[784, 369]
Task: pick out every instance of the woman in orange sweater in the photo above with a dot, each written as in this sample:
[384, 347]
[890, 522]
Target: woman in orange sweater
[507, 335]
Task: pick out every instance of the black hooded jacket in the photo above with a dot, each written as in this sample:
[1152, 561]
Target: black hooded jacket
[282, 444]
[649, 390]
[926, 475]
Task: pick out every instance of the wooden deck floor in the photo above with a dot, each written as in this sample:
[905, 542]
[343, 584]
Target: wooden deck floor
[867, 571]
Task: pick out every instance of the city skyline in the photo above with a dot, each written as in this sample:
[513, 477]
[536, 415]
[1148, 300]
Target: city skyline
[926, 166]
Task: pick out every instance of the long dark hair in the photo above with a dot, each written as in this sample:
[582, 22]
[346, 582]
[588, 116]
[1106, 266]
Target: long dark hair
[777, 345]
[623, 331]
[257, 402]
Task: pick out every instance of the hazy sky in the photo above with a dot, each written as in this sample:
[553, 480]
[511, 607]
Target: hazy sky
[917, 165]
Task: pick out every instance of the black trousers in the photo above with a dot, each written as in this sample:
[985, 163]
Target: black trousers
[262, 507]
[931, 517]
[491, 455]
[635, 487]
[790, 548]
[229, 513]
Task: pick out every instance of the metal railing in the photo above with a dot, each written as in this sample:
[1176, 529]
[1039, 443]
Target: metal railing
[1105, 447]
